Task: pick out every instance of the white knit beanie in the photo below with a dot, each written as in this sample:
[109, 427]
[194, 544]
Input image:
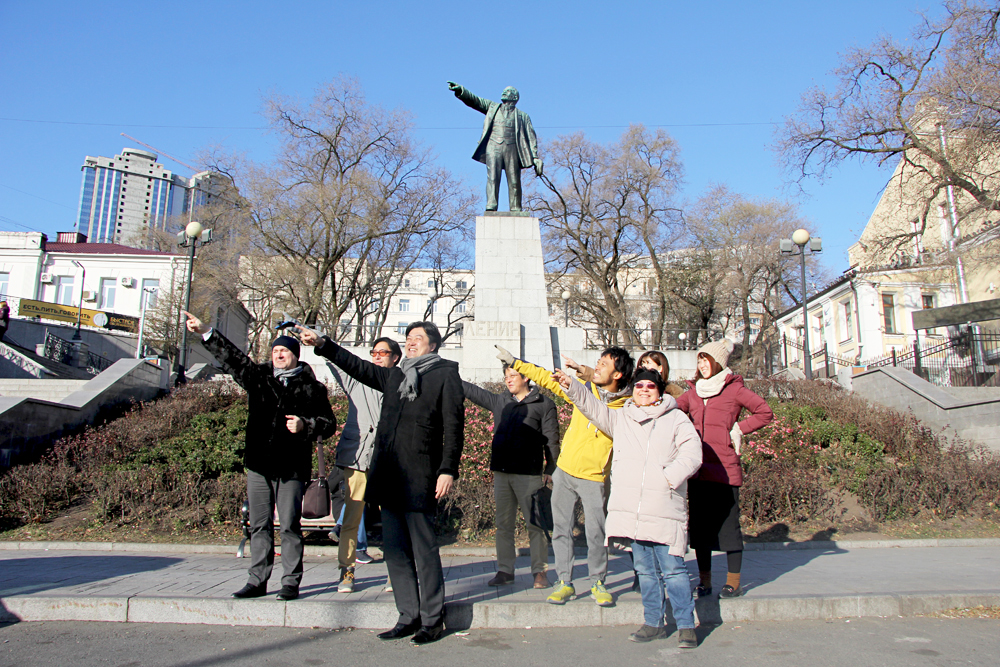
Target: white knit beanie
[718, 350]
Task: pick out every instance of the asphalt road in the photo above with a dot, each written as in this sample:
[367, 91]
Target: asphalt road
[855, 642]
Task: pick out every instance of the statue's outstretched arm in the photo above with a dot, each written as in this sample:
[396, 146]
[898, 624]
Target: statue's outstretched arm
[480, 104]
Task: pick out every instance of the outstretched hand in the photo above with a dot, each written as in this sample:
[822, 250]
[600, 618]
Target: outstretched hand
[453, 86]
[561, 378]
[572, 364]
[307, 336]
[194, 325]
[504, 355]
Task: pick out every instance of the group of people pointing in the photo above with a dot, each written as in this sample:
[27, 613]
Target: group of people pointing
[638, 451]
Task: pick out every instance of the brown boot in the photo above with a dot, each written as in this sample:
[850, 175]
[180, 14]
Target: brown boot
[541, 580]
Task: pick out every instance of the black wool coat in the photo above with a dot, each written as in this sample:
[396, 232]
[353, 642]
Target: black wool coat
[524, 432]
[271, 449]
[416, 440]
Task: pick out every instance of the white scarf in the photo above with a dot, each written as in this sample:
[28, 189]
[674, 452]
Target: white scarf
[709, 387]
[412, 369]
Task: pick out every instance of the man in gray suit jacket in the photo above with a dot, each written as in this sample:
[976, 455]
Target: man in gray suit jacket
[507, 144]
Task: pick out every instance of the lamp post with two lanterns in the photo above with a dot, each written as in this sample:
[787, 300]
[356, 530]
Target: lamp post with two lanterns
[800, 237]
[189, 239]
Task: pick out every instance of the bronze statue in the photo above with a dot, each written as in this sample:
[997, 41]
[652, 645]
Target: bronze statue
[508, 143]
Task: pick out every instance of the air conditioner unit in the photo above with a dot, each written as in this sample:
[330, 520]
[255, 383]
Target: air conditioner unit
[128, 282]
[89, 295]
[46, 278]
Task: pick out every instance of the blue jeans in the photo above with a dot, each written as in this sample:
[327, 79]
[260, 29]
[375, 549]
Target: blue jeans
[658, 570]
[362, 535]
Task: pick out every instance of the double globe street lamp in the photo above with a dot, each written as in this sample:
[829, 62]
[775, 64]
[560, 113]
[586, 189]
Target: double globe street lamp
[189, 239]
[800, 238]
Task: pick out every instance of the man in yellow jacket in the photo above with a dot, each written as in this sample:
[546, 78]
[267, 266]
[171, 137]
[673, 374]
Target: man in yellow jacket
[582, 470]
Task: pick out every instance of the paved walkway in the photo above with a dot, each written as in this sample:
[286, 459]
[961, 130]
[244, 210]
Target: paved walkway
[192, 584]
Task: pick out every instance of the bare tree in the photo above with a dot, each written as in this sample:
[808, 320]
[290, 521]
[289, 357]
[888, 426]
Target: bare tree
[606, 212]
[930, 103]
[348, 182]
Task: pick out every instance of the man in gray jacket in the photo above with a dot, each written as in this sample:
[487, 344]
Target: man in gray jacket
[354, 452]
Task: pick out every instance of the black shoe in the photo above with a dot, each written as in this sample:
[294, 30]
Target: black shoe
[703, 591]
[687, 638]
[251, 591]
[730, 592]
[428, 633]
[502, 579]
[400, 630]
[288, 593]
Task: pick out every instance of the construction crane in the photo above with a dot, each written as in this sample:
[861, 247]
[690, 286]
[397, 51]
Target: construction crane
[157, 150]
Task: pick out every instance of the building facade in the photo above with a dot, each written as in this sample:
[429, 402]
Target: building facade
[124, 196]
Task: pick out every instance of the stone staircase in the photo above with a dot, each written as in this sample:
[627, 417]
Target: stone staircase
[45, 390]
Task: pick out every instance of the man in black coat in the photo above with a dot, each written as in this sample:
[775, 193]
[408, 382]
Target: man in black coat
[288, 410]
[418, 445]
[525, 431]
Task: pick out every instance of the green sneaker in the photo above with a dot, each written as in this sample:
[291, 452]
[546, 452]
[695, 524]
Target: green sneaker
[562, 593]
[601, 595]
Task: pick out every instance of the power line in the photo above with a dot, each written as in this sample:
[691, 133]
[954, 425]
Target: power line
[462, 128]
[36, 196]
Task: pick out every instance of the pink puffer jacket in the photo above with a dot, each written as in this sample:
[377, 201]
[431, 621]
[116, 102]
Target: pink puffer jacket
[714, 418]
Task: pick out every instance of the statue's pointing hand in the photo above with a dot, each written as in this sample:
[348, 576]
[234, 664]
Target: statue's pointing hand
[454, 86]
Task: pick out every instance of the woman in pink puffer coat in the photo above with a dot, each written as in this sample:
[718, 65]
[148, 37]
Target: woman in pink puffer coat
[714, 402]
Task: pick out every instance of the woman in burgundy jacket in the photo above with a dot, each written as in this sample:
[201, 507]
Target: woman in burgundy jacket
[714, 402]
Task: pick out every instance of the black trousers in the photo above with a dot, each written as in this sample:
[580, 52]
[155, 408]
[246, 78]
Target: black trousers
[414, 564]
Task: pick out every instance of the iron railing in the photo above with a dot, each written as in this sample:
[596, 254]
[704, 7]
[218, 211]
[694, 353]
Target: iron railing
[63, 351]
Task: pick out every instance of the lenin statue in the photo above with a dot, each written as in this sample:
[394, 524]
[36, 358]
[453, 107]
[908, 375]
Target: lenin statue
[508, 143]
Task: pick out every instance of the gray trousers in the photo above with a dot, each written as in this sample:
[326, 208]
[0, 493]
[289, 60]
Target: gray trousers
[264, 493]
[414, 563]
[565, 490]
[509, 492]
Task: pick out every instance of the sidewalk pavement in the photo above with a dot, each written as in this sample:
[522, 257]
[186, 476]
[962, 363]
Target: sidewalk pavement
[159, 583]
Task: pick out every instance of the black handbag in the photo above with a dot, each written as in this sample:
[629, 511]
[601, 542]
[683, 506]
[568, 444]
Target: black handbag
[541, 509]
[316, 498]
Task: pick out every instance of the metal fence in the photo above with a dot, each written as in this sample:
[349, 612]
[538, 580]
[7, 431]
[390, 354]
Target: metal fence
[969, 358]
[64, 351]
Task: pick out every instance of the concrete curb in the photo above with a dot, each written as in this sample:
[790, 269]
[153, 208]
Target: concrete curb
[493, 614]
[319, 550]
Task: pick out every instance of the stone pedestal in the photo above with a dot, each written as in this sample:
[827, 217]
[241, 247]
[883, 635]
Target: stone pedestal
[511, 306]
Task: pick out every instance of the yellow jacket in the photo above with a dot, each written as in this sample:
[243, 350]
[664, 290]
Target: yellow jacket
[586, 451]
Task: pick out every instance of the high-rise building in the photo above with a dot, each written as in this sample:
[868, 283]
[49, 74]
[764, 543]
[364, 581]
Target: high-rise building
[124, 196]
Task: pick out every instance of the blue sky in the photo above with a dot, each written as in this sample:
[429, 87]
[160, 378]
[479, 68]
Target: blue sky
[183, 76]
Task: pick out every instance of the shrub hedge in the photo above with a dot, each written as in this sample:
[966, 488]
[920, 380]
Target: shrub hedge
[176, 463]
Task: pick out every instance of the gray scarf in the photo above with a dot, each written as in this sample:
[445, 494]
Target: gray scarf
[707, 388]
[285, 374]
[413, 368]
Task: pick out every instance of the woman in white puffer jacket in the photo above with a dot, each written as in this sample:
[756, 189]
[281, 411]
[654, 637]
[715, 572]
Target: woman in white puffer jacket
[656, 450]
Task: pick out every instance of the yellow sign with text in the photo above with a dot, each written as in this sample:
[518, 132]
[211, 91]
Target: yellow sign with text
[88, 317]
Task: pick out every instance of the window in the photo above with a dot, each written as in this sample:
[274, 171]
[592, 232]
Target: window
[4, 285]
[150, 292]
[401, 328]
[406, 282]
[461, 284]
[888, 314]
[65, 294]
[107, 293]
[460, 307]
[432, 305]
[927, 301]
[404, 305]
[847, 321]
[432, 283]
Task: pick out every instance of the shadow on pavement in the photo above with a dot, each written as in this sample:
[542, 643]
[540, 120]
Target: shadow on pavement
[27, 576]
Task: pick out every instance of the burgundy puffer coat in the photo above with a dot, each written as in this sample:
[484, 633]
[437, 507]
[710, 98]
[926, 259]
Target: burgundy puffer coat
[714, 418]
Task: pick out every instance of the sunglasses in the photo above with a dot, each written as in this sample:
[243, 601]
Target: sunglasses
[378, 354]
[645, 385]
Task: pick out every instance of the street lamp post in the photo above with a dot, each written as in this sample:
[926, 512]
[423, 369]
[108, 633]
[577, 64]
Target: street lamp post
[79, 307]
[189, 238]
[565, 297]
[800, 237]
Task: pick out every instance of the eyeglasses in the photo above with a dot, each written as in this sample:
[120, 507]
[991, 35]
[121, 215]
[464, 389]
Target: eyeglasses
[645, 385]
[378, 354]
